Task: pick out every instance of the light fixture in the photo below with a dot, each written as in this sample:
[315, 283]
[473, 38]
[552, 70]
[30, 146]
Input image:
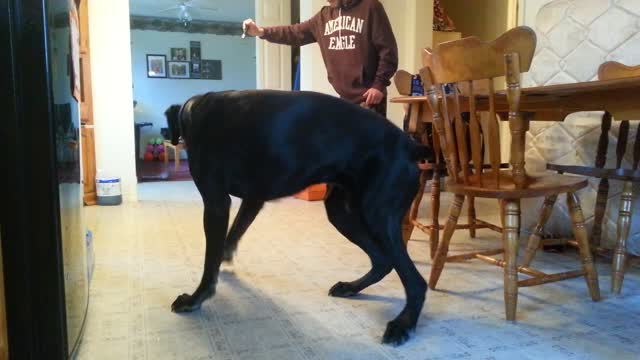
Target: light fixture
[183, 16]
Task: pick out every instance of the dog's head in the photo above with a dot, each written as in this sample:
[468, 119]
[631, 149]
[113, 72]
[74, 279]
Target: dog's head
[173, 121]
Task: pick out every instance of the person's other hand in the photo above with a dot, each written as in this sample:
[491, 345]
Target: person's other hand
[373, 96]
[250, 28]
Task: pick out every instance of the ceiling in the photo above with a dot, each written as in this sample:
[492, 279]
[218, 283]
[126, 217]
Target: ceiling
[228, 10]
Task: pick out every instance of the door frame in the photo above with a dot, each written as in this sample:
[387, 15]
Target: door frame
[273, 61]
[30, 219]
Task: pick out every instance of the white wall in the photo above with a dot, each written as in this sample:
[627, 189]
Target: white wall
[313, 73]
[412, 23]
[154, 95]
[112, 93]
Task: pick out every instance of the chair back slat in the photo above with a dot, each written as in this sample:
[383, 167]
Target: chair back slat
[517, 124]
[461, 137]
[465, 64]
[451, 146]
[475, 133]
[493, 138]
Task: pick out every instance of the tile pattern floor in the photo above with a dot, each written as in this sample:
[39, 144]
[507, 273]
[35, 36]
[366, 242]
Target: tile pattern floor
[273, 303]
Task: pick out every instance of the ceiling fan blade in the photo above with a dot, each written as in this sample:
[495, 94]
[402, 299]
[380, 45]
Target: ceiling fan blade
[168, 9]
[205, 8]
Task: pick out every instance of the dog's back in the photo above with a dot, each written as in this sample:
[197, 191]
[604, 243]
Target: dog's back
[279, 142]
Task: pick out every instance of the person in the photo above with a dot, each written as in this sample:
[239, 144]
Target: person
[357, 45]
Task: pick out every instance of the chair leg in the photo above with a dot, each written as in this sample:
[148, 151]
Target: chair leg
[510, 235]
[580, 233]
[435, 212]
[624, 223]
[536, 236]
[407, 228]
[601, 207]
[471, 214]
[443, 246]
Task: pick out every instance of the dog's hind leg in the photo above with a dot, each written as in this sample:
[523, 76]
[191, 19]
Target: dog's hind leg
[216, 221]
[248, 211]
[347, 220]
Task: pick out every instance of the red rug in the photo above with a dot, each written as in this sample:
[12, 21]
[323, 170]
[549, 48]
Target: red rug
[156, 171]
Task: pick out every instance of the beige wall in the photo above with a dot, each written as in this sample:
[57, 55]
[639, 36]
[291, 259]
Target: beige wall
[483, 18]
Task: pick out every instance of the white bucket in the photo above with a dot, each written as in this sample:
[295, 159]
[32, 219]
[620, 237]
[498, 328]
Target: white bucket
[108, 190]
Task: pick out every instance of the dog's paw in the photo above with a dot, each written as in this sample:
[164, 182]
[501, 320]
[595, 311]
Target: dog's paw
[185, 303]
[397, 333]
[343, 289]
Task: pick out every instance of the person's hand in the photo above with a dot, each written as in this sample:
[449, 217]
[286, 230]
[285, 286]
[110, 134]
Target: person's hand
[250, 28]
[373, 96]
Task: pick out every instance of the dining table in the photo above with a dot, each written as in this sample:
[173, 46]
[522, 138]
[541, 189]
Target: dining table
[620, 97]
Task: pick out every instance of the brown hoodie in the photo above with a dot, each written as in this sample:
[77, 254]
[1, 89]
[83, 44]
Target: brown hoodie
[356, 41]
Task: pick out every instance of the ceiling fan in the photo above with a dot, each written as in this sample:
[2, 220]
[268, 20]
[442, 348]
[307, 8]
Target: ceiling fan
[183, 8]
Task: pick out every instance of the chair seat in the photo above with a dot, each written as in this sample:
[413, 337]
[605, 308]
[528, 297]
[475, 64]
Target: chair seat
[614, 174]
[537, 186]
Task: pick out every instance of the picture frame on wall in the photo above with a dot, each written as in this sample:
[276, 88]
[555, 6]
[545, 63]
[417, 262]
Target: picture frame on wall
[211, 69]
[178, 69]
[156, 66]
[195, 53]
[179, 54]
[196, 72]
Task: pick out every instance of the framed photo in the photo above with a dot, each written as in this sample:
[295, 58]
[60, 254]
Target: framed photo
[156, 66]
[178, 54]
[178, 69]
[195, 52]
[196, 67]
[211, 69]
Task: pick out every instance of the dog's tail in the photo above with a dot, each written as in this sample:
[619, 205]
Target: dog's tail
[422, 152]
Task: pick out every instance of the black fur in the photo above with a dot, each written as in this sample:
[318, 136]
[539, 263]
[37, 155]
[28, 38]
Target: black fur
[264, 145]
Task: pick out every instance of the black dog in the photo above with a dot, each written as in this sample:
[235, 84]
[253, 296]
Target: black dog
[264, 145]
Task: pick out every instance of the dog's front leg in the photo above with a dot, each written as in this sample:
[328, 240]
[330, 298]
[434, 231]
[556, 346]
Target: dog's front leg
[216, 221]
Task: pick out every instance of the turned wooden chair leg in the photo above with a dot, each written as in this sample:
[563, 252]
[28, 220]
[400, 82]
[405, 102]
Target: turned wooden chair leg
[443, 247]
[435, 212]
[536, 236]
[601, 207]
[510, 235]
[471, 214]
[407, 227]
[620, 252]
[580, 233]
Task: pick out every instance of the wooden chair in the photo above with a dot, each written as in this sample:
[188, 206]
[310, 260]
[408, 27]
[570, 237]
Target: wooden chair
[607, 71]
[462, 62]
[419, 126]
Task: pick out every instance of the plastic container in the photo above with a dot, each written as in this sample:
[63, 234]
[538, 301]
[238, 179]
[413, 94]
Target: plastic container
[109, 190]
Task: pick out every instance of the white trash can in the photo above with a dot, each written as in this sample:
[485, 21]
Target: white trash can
[108, 190]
